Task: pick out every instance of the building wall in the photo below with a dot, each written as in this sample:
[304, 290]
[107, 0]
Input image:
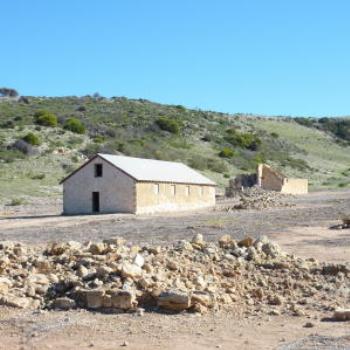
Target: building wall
[117, 190]
[160, 197]
[269, 179]
[295, 186]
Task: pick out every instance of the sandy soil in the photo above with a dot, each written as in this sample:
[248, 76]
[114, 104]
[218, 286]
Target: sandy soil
[303, 230]
[85, 330]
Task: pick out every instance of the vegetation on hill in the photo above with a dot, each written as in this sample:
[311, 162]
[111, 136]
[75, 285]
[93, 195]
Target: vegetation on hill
[339, 127]
[62, 132]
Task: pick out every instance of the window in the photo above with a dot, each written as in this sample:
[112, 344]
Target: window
[173, 190]
[187, 190]
[201, 190]
[98, 170]
[156, 188]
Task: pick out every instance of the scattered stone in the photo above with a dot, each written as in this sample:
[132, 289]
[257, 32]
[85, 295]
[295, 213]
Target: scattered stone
[174, 300]
[139, 260]
[342, 315]
[131, 270]
[246, 242]
[194, 276]
[198, 241]
[226, 241]
[63, 303]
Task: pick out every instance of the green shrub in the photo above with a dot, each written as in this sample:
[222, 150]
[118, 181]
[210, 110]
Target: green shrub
[217, 165]
[206, 138]
[244, 140]
[99, 139]
[75, 159]
[226, 152]
[32, 139]
[274, 135]
[168, 124]
[259, 158]
[16, 201]
[74, 125]
[38, 176]
[45, 118]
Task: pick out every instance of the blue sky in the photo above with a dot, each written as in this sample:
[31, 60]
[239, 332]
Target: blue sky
[289, 57]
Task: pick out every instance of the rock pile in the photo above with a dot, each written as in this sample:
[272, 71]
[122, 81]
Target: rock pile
[257, 198]
[253, 275]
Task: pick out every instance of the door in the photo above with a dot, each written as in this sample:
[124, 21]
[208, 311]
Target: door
[96, 202]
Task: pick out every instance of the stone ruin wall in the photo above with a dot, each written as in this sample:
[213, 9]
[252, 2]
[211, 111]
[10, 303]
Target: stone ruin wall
[267, 179]
[295, 186]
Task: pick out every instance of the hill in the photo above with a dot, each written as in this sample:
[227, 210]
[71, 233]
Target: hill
[43, 139]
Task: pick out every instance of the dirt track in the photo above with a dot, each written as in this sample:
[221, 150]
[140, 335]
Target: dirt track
[315, 210]
[303, 230]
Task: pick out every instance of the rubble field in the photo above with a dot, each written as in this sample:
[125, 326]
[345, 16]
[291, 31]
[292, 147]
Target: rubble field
[258, 198]
[193, 276]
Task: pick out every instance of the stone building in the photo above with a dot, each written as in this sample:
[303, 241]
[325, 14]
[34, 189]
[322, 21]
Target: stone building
[118, 184]
[270, 179]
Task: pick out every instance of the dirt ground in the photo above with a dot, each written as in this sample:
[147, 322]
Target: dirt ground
[303, 229]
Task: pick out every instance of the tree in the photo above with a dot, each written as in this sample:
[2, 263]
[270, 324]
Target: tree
[7, 92]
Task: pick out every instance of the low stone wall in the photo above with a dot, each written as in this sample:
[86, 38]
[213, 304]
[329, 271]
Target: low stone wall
[295, 186]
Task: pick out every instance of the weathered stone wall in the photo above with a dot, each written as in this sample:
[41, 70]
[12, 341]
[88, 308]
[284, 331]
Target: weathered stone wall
[269, 179]
[117, 190]
[295, 186]
[159, 197]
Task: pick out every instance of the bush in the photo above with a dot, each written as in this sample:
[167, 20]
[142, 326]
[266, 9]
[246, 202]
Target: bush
[45, 118]
[22, 146]
[16, 201]
[38, 176]
[74, 125]
[244, 140]
[168, 124]
[32, 139]
[99, 139]
[206, 138]
[259, 158]
[217, 165]
[226, 153]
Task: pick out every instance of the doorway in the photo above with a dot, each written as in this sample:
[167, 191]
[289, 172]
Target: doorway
[96, 202]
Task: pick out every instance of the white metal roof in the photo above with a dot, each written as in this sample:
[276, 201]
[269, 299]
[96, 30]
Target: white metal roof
[156, 170]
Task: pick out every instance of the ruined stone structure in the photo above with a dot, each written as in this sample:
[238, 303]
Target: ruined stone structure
[119, 184]
[270, 179]
[267, 179]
